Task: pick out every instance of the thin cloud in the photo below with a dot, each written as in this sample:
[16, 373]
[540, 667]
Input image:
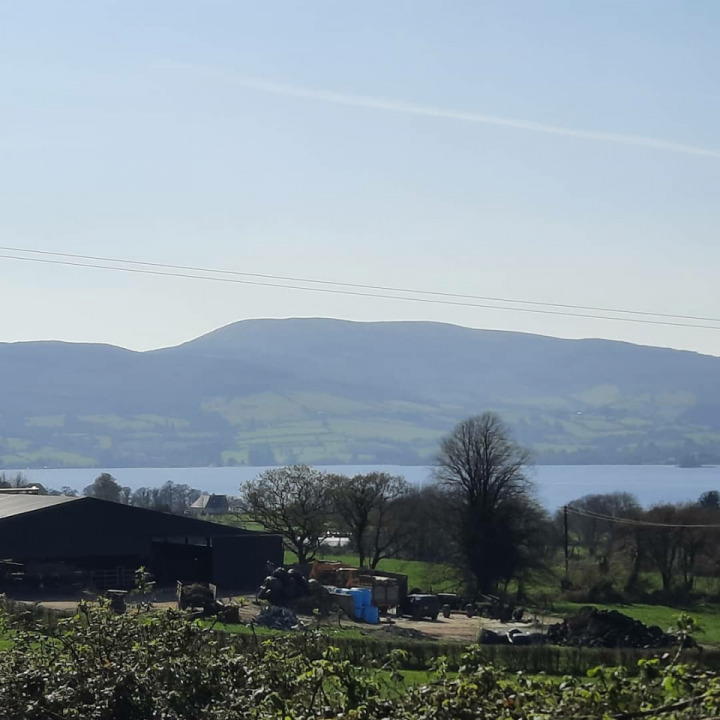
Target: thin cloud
[429, 111]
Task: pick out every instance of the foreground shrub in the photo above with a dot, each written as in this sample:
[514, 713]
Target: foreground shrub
[100, 666]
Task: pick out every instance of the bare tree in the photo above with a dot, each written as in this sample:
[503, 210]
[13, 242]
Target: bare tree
[293, 502]
[391, 525]
[678, 541]
[364, 504]
[663, 541]
[17, 480]
[599, 535]
[480, 461]
[170, 497]
[484, 474]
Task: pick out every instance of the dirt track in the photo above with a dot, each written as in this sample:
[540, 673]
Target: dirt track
[457, 628]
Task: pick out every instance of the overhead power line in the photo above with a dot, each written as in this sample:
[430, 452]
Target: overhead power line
[631, 521]
[363, 286]
[162, 270]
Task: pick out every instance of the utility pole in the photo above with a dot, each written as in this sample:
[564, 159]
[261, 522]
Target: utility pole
[565, 524]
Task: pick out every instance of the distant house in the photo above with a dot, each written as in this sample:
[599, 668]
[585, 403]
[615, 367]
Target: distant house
[210, 505]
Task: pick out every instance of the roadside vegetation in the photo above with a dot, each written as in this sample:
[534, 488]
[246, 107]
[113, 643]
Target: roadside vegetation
[161, 665]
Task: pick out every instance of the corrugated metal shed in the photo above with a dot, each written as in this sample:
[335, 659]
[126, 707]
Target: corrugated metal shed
[92, 534]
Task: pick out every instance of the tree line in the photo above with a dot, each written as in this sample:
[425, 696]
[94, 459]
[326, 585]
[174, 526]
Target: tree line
[170, 497]
[620, 550]
[480, 513]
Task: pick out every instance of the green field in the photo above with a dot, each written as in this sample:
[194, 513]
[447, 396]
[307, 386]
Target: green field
[316, 428]
[707, 615]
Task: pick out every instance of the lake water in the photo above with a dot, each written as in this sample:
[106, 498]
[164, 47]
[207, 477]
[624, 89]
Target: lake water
[557, 484]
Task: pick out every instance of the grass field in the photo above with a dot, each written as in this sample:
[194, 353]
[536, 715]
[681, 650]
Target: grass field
[319, 428]
[662, 615]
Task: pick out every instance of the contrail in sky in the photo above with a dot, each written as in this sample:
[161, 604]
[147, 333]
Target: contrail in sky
[429, 111]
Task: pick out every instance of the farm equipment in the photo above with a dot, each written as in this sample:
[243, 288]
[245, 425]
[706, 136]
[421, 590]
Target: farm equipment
[420, 606]
[451, 599]
[201, 598]
[491, 606]
[117, 600]
[196, 596]
[387, 589]
[385, 592]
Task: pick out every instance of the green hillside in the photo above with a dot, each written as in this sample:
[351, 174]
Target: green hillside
[326, 391]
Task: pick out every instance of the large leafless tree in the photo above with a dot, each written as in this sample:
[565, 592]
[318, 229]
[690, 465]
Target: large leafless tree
[484, 474]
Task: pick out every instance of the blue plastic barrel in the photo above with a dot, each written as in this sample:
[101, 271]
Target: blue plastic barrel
[357, 601]
[371, 615]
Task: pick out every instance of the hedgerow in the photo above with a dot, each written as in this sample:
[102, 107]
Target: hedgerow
[148, 666]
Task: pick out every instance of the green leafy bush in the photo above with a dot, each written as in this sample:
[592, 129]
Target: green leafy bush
[147, 666]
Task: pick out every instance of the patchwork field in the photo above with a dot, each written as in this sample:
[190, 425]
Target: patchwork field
[329, 392]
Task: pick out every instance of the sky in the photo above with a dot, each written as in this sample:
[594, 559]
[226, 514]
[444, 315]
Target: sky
[559, 152]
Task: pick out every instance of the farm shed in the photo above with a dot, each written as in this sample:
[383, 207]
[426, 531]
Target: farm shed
[108, 541]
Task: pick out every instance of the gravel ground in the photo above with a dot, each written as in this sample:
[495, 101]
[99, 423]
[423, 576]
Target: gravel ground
[458, 627]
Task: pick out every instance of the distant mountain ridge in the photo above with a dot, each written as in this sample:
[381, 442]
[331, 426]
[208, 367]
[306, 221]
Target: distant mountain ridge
[330, 391]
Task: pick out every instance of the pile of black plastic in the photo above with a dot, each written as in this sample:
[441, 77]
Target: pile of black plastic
[284, 586]
[591, 627]
[290, 588]
[277, 618]
[515, 636]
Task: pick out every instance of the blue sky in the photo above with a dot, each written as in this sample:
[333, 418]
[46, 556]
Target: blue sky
[202, 133]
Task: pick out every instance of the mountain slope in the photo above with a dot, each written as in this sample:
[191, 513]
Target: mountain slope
[317, 390]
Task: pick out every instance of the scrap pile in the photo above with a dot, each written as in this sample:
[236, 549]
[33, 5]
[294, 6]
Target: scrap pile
[291, 588]
[512, 637]
[591, 627]
[201, 600]
[277, 618]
